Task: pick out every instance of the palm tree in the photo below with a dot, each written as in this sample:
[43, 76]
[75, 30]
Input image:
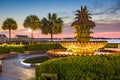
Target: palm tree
[33, 23]
[83, 24]
[9, 24]
[51, 25]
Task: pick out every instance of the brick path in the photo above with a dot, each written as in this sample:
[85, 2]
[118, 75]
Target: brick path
[13, 72]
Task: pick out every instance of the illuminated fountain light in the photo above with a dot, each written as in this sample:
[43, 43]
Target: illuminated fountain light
[83, 47]
[67, 53]
[99, 53]
[58, 53]
[77, 48]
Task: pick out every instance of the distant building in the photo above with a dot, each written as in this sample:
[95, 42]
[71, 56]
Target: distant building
[21, 39]
[3, 36]
[22, 36]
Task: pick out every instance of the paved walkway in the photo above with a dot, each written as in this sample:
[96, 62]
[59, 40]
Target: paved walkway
[11, 71]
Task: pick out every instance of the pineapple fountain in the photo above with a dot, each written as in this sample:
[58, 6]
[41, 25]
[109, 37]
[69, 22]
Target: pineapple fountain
[83, 45]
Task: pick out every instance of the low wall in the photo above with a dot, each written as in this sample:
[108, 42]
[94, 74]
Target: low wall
[14, 54]
[9, 55]
[36, 52]
[113, 49]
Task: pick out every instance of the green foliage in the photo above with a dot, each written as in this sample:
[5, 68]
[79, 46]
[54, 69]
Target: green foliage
[9, 24]
[112, 45]
[12, 48]
[22, 48]
[51, 25]
[16, 48]
[42, 47]
[36, 59]
[33, 23]
[4, 49]
[98, 67]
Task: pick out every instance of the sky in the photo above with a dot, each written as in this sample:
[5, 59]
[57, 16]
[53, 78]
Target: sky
[104, 13]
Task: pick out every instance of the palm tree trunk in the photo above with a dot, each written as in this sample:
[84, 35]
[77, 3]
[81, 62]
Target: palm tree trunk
[9, 35]
[51, 37]
[52, 32]
[32, 36]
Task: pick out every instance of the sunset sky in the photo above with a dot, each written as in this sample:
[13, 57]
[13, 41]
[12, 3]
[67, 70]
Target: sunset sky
[105, 14]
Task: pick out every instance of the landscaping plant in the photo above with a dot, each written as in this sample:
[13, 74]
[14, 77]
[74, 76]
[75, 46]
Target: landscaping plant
[97, 67]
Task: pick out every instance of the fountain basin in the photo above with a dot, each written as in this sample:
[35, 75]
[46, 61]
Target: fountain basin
[58, 53]
[83, 47]
[63, 53]
[77, 48]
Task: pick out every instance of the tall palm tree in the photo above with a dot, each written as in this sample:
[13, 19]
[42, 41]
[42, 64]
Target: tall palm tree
[83, 24]
[33, 23]
[9, 24]
[51, 25]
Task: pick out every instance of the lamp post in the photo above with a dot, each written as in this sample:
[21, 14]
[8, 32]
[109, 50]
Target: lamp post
[30, 34]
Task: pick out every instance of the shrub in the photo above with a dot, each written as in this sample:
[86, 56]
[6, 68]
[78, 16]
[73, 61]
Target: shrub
[16, 48]
[4, 49]
[112, 45]
[43, 46]
[97, 67]
[39, 59]
[22, 48]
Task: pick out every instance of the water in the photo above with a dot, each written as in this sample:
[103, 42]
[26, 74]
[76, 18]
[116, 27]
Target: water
[114, 40]
[109, 40]
[19, 62]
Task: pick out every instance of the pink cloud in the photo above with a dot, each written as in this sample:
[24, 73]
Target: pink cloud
[106, 34]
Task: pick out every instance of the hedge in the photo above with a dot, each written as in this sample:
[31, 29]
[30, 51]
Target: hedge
[11, 48]
[4, 49]
[112, 45]
[97, 67]
[22, 48]
[43, 47]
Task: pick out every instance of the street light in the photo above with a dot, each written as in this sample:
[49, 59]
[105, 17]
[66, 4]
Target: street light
[30, 34]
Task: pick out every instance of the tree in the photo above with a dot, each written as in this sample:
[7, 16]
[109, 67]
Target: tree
[83, 24]
[51, 25]
[33, 23]
[9, 24]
